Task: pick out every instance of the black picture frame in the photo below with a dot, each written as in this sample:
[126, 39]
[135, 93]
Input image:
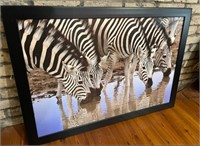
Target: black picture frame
[10, 15]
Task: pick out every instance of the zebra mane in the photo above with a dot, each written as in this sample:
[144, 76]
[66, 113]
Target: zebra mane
[64, 42]
[161, 26]
[85, 22]
[159, 22]
[56, 36]
[147, 44]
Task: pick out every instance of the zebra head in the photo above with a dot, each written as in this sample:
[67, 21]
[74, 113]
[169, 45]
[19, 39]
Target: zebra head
[163, 59]
[81, 77]
[95, 75]
[76, 83]
[84, 79]
[145, 71]
[146, 65]
[74, 87]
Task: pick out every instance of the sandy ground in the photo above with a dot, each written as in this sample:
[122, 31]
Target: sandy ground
[41, 84]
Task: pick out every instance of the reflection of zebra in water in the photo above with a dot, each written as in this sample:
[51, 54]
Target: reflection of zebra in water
[170, 24]
[156, 34]
[45, 48]
[120, 38]
[77, 32]
[75, 114]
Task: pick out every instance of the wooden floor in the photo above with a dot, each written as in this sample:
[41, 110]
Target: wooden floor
[177, 125]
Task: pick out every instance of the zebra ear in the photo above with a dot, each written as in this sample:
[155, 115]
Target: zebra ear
[27, 22]
[24, 23]
[20, 24]
[69, 69]
[178, 18]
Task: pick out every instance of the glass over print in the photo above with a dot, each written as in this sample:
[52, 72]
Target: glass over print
[83, 70]
[118, 97]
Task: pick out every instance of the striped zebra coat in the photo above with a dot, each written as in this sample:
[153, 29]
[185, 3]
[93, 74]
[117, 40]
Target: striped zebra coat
[157, 35]
[45, 48]
[170, 24]
[121, 38]
[78, 33]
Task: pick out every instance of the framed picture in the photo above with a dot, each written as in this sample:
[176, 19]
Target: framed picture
[79, 68]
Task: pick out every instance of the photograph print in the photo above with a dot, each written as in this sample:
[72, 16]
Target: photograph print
[81, 71]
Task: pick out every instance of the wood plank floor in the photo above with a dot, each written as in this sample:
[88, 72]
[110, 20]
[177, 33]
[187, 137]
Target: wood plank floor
[177, 125]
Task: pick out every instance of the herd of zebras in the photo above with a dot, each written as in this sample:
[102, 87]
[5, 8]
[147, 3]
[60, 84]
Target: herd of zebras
[71, 49]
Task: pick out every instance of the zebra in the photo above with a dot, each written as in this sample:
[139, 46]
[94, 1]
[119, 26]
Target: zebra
[78, 33]
[45, 48]
[120, 38]
[156, 35]
[170, 24]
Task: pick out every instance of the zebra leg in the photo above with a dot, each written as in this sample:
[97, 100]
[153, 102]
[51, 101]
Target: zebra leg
[69, 106]
[126, 71]
[64, 119]
[132, 69]
[112, 59]
[59, 92]
[127, 76]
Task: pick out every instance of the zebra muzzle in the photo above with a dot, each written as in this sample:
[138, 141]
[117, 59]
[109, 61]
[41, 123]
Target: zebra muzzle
[149, 82]
[167, 73]
[90, 97]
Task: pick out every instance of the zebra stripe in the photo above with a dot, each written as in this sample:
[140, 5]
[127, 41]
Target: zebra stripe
[44, 47]
[77, 32]
[120, 38]
[170, 24]
[156, 34]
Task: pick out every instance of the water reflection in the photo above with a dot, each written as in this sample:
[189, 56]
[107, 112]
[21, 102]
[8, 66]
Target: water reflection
[118, 99]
